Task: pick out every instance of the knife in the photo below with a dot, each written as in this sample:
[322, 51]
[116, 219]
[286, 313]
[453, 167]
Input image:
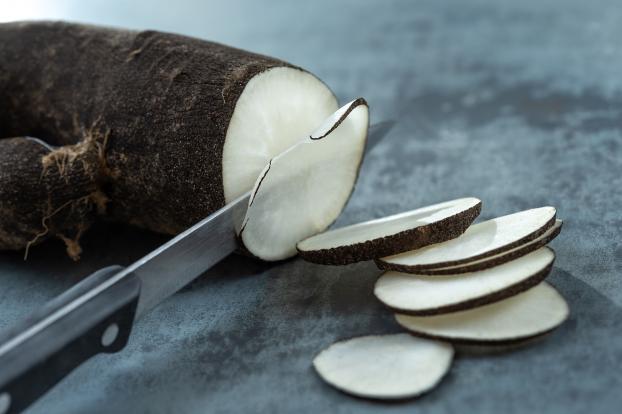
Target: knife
[97, 314]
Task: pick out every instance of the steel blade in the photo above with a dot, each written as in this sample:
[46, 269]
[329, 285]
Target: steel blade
[182, 259]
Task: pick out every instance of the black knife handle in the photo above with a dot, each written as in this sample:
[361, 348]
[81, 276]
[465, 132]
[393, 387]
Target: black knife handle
[86, 320]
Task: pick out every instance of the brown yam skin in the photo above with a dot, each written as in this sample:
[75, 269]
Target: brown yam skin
[148, 111]
[45, 192]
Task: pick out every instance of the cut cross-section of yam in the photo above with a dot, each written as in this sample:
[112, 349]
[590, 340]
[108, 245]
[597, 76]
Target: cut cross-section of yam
[424, 295]
[303, 190]
[384, 366]
[391, 235]
[527, 315]
[500, 258]
[276, 109]
[478, 241]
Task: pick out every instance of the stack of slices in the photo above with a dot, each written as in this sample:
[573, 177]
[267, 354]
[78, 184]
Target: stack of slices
[448, 283]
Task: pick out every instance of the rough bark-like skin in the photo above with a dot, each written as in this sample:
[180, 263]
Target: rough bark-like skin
[420, 269]
[156, 106]
[416, 238]
[45, 192]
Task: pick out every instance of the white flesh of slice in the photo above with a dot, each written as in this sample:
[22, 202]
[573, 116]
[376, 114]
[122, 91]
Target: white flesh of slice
[303, 190]
[385, 366]
[409, 293]
[276, 108]
[528, 314]
[498, 258]
[478, 241]
[387, 226]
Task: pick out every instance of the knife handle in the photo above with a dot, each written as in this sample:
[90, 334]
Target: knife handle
[88, 319]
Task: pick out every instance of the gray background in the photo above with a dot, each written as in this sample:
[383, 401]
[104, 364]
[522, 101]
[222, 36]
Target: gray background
[517, 103]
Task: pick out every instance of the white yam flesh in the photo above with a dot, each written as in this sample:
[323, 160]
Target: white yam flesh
[384, 367]
[275, 110]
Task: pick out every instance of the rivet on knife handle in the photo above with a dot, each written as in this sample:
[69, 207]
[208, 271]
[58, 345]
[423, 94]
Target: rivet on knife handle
[42, 350]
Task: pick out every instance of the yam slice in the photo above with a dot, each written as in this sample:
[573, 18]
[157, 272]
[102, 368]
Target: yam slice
[500, 258]
[303, 190]
[424, 295]
[527, 315]
[478, 241]
[391, 235]
[384, 366]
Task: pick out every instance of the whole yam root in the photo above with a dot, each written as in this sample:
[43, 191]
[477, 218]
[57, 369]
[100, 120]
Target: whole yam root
[152, 129]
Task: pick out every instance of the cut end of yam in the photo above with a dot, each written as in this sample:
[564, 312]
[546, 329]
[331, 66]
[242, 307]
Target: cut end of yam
[390, 235]
[479, 241]
[527, 315]
[303, 190]
[277, 108]
[424, 295]
[385, 367]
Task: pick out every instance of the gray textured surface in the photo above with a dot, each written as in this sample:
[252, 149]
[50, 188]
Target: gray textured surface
[518, 103]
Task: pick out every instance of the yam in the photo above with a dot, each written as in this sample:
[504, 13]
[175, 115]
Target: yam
[153, 129]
